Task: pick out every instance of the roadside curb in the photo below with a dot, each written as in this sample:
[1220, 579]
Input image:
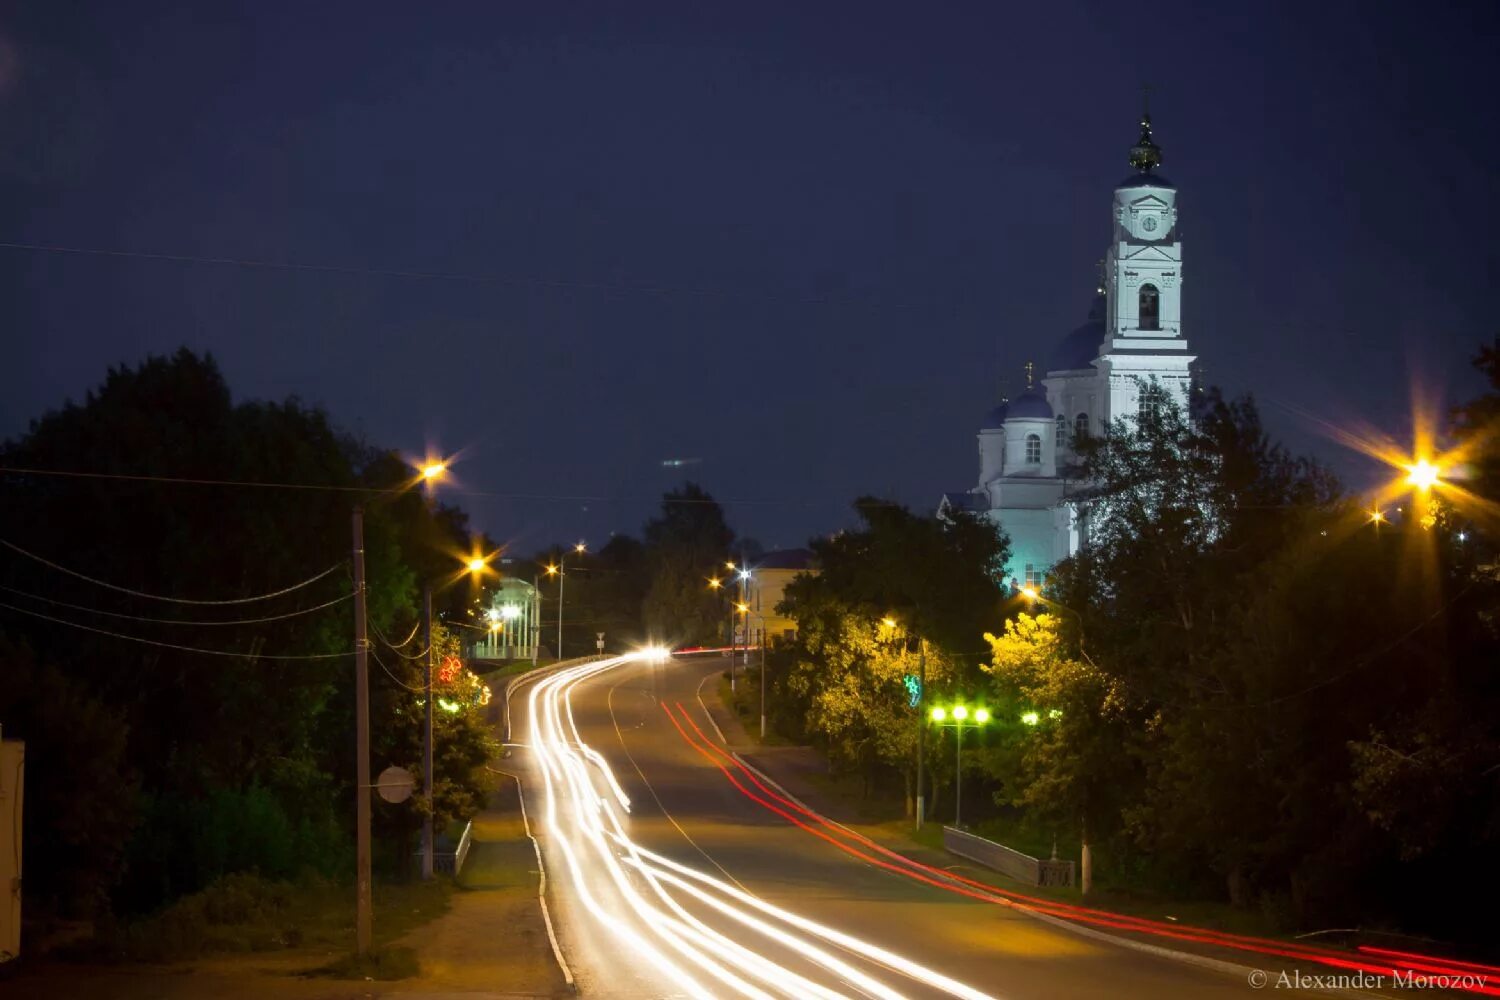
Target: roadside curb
[541, 889]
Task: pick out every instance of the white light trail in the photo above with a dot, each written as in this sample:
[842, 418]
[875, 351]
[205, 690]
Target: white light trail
[584, 823]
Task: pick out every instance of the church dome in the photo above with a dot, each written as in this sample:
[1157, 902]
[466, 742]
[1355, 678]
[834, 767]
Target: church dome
[995, 419]
[1146, 181]
[1030, 405]
[1079, 348]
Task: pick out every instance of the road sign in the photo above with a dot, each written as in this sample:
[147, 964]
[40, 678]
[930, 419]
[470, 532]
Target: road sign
[599, 642]
[395, 784]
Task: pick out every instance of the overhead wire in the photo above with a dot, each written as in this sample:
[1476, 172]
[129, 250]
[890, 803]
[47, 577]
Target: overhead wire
[177, 646]
[413, 656]
[177, 621]
[412, 635]
[376, 657]
[465, 277]
[170, 600]
[452, 490]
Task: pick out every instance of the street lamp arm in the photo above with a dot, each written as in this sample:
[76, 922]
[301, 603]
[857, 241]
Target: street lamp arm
[1032, 594]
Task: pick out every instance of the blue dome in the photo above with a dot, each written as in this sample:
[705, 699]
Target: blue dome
[1079, 348]
[1146, 181]
[1030, 405]
[995, 419]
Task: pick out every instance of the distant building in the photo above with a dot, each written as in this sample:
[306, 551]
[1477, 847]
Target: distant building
[1123, 362]
[767, 587]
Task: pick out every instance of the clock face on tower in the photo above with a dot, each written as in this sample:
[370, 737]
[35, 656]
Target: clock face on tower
[1148, 224]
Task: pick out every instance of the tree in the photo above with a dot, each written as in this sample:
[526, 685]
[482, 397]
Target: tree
[935, 581]
[683, 546]
[80, 788]
[218, 741]
[1063, 724]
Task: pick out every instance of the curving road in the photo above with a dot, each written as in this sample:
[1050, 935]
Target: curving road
[666, 879]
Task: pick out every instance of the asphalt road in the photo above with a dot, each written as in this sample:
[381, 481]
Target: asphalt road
[615, 907]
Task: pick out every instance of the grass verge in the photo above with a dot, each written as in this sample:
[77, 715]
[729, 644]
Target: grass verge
[244, 913]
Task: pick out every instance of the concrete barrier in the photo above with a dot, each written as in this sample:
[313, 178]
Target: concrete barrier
[1007, 861]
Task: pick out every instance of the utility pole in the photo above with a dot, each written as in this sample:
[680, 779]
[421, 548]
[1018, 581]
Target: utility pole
[763, 679]
[427, 733]
[362, 918]
[562, 576]
[921, 722]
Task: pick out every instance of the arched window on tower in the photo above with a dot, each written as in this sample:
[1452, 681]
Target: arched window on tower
[1080, 427]
[1150, 308]
[1033, 449]
[1062, 431]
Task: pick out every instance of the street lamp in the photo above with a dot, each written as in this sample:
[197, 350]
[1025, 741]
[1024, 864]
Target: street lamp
[960, 715]
[560, 570]
[476, 564]
[921, 696]
[1086, 863]
[1032, 594]
[1423, 475]
[430, 472]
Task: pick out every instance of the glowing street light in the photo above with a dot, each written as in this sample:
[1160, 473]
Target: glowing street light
[559, 569]
[1030, 718]
[477, 564]
[432, 471]
[1422, 475]
[714, 583]
[960, 714]
[888, 622]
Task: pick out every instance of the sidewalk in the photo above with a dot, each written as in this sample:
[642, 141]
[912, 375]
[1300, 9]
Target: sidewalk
[492, 938]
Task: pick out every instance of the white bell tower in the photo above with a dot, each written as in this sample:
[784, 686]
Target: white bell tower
[1143, 326]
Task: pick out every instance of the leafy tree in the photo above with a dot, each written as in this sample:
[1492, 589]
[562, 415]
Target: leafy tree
[1063, 722]
[218, 742]
[935, 581]
[683, 546]
[80, 789]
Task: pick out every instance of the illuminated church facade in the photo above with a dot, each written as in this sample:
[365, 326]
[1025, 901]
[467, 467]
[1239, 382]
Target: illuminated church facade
[1125, 361]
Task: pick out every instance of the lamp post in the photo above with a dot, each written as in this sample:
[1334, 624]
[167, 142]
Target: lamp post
[428, 472]
[745, 600]
[476, 565]
[960, 715]
[921, 801]
[1035, 596]
[1085, 856]
[560, 570]
[744, 610]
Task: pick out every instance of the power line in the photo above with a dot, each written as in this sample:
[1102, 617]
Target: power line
[392, 676]
[454, 491]
[408, 639]
[173, 645]
[397, 649]
[178, 621]
[170, 600]
[464, 277]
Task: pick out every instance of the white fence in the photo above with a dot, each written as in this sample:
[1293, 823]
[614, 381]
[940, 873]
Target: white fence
[1021, 867]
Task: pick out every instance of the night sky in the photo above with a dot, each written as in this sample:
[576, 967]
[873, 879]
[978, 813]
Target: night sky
[801, 243]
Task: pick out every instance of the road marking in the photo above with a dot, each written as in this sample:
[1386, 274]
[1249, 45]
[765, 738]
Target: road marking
[706, 712]
[610, 703]
[541, 888]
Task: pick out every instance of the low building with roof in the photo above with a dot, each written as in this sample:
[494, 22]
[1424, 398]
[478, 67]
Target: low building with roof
[766, 588]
